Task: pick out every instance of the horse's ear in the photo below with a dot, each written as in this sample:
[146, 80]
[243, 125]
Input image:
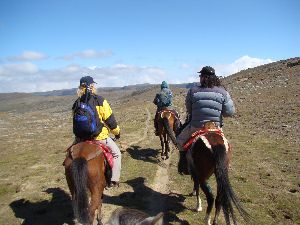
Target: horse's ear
[158, 219]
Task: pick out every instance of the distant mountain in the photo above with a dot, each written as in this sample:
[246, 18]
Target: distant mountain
[132, 88]
[63, 92]
[267, 68]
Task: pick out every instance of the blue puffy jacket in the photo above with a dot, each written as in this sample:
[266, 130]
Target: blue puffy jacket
[208, 104]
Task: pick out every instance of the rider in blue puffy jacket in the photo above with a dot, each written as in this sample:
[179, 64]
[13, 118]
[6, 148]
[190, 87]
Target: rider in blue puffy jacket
[208, 102]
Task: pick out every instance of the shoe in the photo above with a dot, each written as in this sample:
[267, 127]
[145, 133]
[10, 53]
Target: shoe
[113, 184]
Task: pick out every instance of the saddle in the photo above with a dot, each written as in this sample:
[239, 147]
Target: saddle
[74, 150]
[171, 111]
[205, 135]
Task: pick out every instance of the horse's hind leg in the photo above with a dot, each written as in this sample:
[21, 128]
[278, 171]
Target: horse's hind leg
[196, 189]
[167, 144]
[162, 145]
[210, 200]
[96, 203]
[218, 209]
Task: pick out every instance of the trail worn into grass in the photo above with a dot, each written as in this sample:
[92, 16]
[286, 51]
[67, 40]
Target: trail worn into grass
[161, 180]
[155, 202]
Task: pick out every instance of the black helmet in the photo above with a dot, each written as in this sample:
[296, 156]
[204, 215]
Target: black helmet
[207, 70]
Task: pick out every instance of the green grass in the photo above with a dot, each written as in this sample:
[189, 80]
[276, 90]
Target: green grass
[264, 174]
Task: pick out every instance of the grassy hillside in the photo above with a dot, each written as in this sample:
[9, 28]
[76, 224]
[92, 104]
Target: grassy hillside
[35, 131]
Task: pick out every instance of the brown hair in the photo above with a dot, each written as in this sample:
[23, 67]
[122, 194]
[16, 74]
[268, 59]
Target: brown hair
[209, 81]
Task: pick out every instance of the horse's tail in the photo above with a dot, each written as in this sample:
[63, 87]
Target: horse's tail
[225, 191]
[80, 199]
[169, 130]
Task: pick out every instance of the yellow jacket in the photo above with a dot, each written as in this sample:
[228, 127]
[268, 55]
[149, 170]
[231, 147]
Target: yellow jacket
[107, 119]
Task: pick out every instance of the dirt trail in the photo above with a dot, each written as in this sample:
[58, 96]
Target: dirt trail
[160, 183]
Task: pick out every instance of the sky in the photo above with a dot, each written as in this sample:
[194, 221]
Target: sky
[49, 45]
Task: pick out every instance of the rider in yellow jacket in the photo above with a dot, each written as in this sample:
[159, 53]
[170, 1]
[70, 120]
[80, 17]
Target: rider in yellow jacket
[107, 123]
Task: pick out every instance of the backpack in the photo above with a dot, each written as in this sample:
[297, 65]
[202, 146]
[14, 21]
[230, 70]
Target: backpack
[164, 99]
[85, 119]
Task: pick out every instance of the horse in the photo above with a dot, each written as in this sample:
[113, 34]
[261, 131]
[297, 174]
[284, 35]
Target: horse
[166, 129]
[210, 154]
[85, 170]
[127, 216]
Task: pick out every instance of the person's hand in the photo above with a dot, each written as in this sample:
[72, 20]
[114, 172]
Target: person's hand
[117, 136]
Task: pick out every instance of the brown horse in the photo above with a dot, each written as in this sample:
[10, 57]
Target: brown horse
[210, 154]
[84, 169]
[167, 126]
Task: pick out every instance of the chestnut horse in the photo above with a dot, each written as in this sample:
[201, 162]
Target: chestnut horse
[167, 127]
[84, 169]
[210, 154]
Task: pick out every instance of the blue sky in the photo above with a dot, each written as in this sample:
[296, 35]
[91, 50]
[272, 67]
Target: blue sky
[49, 45]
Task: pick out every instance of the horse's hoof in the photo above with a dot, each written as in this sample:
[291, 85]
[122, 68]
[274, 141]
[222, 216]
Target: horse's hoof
[207, 220]
[199, 209]
[192, 193]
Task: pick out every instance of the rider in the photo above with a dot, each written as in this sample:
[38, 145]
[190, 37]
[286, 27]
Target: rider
[208, 102]
[108, 124]
[163, 100]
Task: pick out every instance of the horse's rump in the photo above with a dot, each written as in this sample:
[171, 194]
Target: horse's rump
[92, 149]
[168, 113]
[85, 167]
[210, 135]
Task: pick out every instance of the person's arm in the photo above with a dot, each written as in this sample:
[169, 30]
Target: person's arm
[188, 105]
[74, 106]
[228, 108]
[156, 99]
[108, 117]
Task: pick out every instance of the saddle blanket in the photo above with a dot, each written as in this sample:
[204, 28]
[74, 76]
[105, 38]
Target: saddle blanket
[106, 151]
[202, 134]
[171, 111]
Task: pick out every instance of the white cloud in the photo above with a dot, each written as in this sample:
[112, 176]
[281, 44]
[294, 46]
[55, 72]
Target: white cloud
[185, 66]
[29, 78]
[27, 56]
[189, 74]
[12, 70]
[88, 54]
[242, 63]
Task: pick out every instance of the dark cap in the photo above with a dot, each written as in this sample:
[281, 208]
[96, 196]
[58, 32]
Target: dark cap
[207, 70]
[87, 80]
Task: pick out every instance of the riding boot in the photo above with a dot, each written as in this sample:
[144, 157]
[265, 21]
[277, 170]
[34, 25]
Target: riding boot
[182, 164]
